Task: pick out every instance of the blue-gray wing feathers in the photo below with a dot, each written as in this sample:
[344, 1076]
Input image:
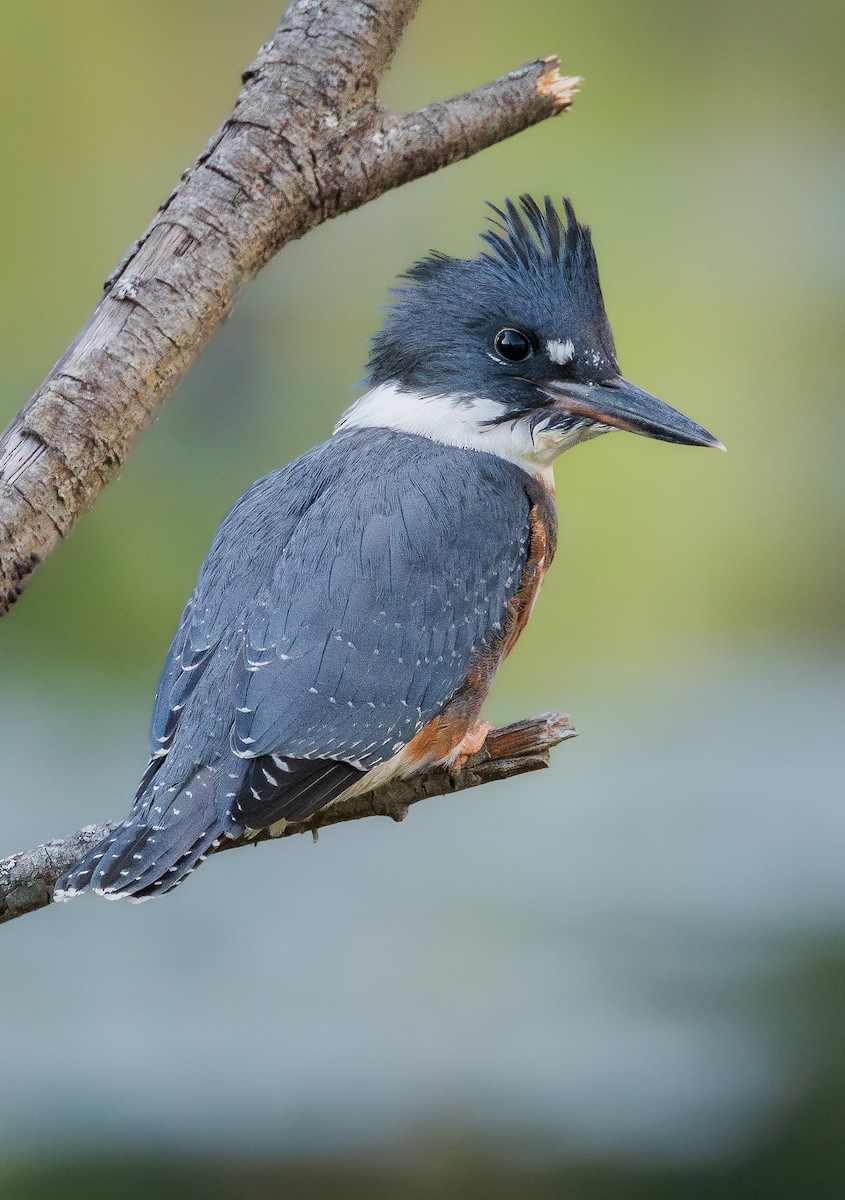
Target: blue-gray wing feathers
[357, 614]
[340, 607]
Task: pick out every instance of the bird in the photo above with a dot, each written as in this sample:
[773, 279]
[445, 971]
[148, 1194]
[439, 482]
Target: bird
[356, 604]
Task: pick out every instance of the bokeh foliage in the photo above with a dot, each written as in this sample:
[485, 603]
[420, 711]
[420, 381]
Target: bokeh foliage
[701, 153]
[705, 151]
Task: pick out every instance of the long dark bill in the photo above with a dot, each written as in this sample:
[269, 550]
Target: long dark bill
[625, 406]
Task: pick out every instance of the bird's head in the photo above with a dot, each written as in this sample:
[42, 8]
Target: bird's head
[513, 344]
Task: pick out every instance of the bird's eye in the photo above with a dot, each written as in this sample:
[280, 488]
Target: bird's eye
[511, 345]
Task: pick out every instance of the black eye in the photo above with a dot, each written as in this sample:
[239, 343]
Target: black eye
[511, 345]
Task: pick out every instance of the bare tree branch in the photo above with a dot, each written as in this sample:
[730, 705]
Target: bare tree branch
[27, 879]
[307, 140]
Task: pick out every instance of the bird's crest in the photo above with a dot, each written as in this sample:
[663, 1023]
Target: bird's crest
[537, 270]
[529, 238]
[532, 245]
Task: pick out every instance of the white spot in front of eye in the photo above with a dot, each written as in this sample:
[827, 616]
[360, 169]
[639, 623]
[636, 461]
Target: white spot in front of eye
[560, 352]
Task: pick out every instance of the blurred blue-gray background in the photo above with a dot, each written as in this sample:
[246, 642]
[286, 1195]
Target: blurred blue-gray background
[624, 977]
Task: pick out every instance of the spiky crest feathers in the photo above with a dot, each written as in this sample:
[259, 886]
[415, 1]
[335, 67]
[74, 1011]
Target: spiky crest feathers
[524, 238]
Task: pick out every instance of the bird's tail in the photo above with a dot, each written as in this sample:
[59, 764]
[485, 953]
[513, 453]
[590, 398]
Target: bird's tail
[158, 844]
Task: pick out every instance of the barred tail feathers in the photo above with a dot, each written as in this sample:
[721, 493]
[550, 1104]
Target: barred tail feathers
[159, 844]
[170, 831]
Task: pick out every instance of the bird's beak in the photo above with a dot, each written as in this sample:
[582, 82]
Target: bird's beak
[623, 405]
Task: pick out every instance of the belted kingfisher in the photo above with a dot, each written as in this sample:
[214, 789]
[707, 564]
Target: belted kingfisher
[356, 604]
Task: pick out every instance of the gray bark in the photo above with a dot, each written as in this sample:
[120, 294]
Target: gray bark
[307, 140]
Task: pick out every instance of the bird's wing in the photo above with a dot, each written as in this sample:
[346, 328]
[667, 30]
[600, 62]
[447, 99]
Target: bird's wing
[190, 653]
[246, 545]
[327, 656]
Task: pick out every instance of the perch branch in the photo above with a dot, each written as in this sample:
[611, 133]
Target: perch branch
[306, 140]
[27, 879]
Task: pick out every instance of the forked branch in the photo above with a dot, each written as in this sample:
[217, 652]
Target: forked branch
[307, 140]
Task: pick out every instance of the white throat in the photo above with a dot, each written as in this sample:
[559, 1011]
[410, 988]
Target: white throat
[459, 420]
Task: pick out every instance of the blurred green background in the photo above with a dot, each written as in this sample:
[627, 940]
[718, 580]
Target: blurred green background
[623, 979]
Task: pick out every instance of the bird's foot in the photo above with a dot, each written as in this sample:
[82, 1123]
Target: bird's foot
[470, 744]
